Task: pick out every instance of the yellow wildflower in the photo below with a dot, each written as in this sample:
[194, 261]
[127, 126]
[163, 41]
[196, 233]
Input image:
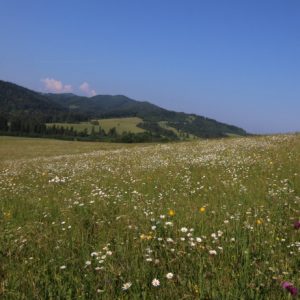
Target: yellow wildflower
[145, 237]
[171, 212]
[196, 289]
[7, 215]
[202, 209]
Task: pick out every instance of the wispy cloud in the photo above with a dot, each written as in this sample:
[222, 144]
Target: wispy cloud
[85, 87]
[56, 86]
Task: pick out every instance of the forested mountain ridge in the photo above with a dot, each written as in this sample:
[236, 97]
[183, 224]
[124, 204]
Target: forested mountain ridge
[14, 98]
[107, 106]
[25, 108]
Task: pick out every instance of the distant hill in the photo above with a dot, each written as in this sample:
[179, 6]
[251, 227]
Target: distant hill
[17, 102]
[15, 99]
[104, 106]
[107, 106]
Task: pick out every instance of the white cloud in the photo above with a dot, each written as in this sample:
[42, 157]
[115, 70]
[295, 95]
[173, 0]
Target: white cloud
[56, 86]
[85, 87]
[68, 88]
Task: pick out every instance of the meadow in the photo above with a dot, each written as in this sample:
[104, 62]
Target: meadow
[121, 124]
[206, 219]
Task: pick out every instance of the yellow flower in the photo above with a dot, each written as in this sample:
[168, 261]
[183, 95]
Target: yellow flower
[146, 237]
[202, 209]
[7, 215]
[171, 212]
[143, 236]
[196, 289]
[258, 222]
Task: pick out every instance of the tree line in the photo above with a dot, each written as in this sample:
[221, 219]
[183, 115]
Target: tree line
[20, 124]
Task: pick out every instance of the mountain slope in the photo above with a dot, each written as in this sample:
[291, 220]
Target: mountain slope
[16, 100]
[106, 106]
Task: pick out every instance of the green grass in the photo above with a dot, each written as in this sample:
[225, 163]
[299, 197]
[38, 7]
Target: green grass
[121, 125]
[12, 148]
[102, 212]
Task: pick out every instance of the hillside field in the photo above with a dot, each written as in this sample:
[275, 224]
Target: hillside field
[204, 219]
[121, 125]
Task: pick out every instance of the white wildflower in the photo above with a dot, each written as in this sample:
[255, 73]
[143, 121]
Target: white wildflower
[155, 282]
[126, 286]
[212, 252]
[183, 229]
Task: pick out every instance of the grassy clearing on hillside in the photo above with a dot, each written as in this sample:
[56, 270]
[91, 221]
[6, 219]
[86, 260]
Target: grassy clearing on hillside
[121, 125]
[193, 220]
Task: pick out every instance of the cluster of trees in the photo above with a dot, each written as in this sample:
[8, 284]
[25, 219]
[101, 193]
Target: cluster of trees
[34, 124]
[127, 137]
[25, 124]
[3, 123]
[20, 124]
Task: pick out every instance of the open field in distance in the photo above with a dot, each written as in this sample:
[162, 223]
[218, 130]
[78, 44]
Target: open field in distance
[121, 125]
[209, 219]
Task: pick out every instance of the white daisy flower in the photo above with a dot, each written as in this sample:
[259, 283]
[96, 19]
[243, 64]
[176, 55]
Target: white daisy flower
[183, 229]
[155, 282]
[126, 286]
[212, 252]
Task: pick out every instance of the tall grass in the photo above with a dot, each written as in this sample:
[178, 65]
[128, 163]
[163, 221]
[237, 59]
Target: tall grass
[103, 224]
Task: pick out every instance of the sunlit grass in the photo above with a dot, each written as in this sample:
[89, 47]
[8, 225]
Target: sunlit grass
[122, 124]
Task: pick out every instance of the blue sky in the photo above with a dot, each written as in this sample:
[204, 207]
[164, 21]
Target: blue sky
[237, 61]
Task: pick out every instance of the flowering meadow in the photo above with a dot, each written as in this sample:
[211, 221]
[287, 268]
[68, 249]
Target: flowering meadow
[207, 219]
